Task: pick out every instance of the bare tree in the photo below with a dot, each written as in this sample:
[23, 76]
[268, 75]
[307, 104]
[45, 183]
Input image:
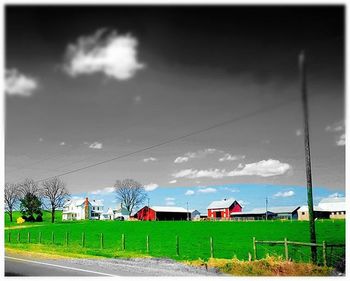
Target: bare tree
[11, 198]
[28, 186]
[130, 193]
[55, 192]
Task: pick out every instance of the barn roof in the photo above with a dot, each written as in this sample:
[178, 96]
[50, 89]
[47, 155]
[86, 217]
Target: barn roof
[226, 203]
[96, 203]
[168, 209]
[333, 204]
[75, 202]
[305, 208]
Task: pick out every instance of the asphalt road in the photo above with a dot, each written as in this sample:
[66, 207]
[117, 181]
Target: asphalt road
[17, 265]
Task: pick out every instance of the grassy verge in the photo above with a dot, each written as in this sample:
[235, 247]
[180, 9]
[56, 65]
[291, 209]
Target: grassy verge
[269, 266]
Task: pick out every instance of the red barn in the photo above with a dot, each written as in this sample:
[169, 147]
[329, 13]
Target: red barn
[162, 213]
[222, 209]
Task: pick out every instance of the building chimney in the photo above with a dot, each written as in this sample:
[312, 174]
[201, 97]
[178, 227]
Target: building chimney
[86, 208]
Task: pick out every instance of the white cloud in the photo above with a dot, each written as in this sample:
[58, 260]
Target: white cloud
[206, 190]
[229, 157]
[151, 186]
[298, 132]
[341, 140]
[335, 195]
[62, 143]
[112, 54]
[96, 145]
[189, 192]
[173, 181]
[264, 168]
[198, 154]
[289, 193]
[18, 84]
[169, 201]
[336, 127]
[41, 139]
[181, 159]
[150, 159]
[105, 190]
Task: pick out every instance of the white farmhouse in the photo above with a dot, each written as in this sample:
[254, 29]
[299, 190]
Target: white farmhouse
[82, 209]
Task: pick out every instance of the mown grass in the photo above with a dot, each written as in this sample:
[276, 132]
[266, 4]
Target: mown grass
[231, 239]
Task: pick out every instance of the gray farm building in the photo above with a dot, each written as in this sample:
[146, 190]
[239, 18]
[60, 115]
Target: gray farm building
[287, 212]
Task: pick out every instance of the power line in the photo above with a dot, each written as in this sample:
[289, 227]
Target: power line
[236, 119]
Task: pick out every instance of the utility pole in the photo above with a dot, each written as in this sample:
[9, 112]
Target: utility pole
[302, 66]
[266, 208]
[187, 212]
[148, 209]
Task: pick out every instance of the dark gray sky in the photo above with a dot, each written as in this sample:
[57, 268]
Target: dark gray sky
[181, 69]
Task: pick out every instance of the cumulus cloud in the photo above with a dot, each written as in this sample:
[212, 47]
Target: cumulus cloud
[189, 192]
[96, 145]
[150, 159]
[289, 193]
[335, 195]
[62, 143]
[207, 190]
[169, 201]
[41, 139]
[18, 84]
[336, 127]
[105, 190]
[264, 168]
[198, 154]
[341, 140]
[173, 181]
[113, 54]
[229, 157]
[151, 186]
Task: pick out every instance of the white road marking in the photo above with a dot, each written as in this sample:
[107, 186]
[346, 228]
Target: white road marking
[60, 266]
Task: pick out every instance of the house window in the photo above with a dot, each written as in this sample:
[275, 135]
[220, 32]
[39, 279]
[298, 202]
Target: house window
[303, 213]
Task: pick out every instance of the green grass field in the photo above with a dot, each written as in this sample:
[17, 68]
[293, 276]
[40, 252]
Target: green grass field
[229, 238]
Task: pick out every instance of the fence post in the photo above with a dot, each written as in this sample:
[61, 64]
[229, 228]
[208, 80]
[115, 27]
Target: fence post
[177, 246]
[83, 239]
[53, 238]
[28, 237]
[324, 253]
[286, 248]
[39, 237]
[123, 242]
[101, 241]
[249, 256]
[18, 237]
[254, 248]
[9, 237]
[211, 247]
[147, 244]
[66, 239]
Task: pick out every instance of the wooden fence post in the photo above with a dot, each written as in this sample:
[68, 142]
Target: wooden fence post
[324, 253]
[66, 239]
[9, 237]
[147, 244]
[123, 242]
[211, 247]
[177, 246]
[101, 241]
[53, 238]
[249, 256]
[28, 237]
[254, 248]
[18, 237]
[286, 248]
[39, 237]
[83, 239]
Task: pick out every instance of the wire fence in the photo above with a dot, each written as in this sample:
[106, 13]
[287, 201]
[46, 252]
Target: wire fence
[179, 247]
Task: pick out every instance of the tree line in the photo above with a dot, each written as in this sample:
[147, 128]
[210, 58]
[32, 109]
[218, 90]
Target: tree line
[52, 194]
[31, 198]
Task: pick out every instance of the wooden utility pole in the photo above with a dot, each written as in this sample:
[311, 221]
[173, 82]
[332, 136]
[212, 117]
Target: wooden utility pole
[266, 208]
[302, 67]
